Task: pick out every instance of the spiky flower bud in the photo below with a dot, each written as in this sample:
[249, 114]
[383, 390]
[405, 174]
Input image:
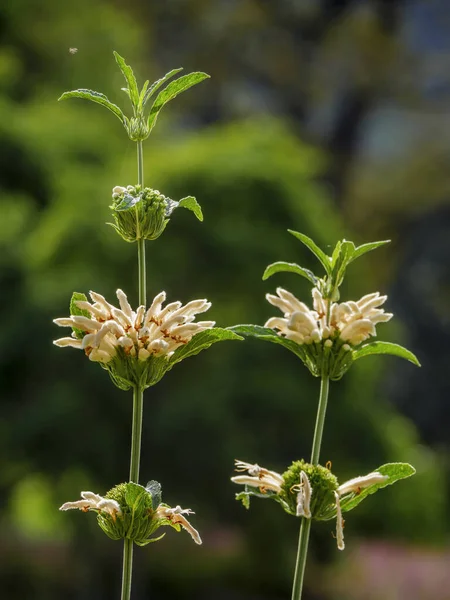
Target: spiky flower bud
[139, 213]
[138, 128]
[144, 213]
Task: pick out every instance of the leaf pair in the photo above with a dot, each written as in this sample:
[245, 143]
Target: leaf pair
[140, 126]
[313, 355]
[335, 266]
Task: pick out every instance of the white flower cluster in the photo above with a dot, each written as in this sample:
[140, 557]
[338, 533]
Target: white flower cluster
[353, 322]
[264, 479]
[91, 501]
[158, 331]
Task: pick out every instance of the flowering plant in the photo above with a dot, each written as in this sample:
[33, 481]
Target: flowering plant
[137, 347]
[328, 338]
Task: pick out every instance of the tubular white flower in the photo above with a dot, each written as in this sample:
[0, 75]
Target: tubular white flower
[339, 524]
[156, 332]
[303, 496]
[91, 501]
[257, 477]
[176, 516]
[357, 484]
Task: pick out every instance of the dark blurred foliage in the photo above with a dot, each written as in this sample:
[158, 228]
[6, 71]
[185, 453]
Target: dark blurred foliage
[322, 116]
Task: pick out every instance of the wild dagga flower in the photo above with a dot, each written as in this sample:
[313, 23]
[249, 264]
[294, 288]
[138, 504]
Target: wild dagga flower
[328, 337]
[332, 335]
[138, 347]
[130, 511]
[313, 491]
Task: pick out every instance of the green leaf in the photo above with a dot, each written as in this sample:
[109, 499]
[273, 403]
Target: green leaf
[394, 471]
[320, 254]
[201, 341]
[142, 94]
[127, 72]
[157, 84]
[95, 97]
[74, 310]
[171, 91]
[149, 541]
[281, 266]
[137, 498]
[244, 498]
[360, 250]
[191, 204]
[385, 348]
[269, 335]
[340, 260]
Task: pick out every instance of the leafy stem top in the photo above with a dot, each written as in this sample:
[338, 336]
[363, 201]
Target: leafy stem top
[344, 253]
[140, 125]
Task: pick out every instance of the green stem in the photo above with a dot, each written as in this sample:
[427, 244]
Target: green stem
[141, 241]
[136, 433]
[305, 527]
[138, 403]
[127, 569]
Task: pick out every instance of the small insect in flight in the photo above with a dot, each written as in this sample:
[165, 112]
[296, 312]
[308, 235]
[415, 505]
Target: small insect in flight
[73, 50]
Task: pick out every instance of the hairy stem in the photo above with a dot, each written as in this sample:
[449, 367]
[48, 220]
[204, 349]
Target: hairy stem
[305, 527]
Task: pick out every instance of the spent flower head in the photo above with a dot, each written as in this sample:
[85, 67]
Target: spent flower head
[131, 511]
[313, 491]
[138, 346]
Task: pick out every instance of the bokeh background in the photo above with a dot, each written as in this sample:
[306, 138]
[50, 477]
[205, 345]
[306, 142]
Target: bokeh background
[328, 117]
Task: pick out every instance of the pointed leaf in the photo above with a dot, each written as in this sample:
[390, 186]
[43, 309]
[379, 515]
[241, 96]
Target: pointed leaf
[191, 204]
[142, 94]
[269, 335]
[394, 471]
[171, 91]
[340, 260]
[320, 254]
[201, 341]
[127, 72]
[282, 266]
[149, 541]
[385, 348]
[81, 312]
[96, 97]
[157, 84]
[360, 250]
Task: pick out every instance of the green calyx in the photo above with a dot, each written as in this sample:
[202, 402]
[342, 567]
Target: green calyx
[144, 213]
[141, 123]
[137, 520]
[323, 484]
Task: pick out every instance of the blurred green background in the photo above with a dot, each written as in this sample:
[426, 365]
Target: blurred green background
[331, 118]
